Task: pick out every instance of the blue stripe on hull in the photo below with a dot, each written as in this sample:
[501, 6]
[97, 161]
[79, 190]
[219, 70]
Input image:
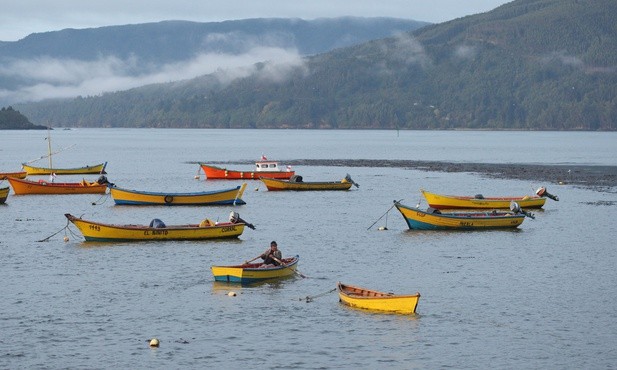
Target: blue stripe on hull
[221, 203]
[235, 279]
[416, 225]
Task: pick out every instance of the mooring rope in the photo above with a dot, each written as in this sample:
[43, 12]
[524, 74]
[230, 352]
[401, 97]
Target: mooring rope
[310, 299]
[396, 201]
[104, 196]
[56, 233]
[65, 228]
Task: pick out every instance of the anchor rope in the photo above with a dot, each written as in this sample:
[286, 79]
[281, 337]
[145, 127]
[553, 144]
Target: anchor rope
[310, 299]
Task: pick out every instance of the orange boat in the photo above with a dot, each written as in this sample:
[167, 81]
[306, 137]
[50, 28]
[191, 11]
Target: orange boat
[263, 168]
[21, 187]
[17, 175]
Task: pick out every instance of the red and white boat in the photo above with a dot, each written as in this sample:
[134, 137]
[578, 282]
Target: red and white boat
[263, 168]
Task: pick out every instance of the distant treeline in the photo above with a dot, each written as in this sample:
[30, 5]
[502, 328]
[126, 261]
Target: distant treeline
[528, 65]
[11, 119]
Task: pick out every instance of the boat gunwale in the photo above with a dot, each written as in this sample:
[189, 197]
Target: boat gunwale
[183, 227]
[292, 262]
[175, 194]
[383, 295]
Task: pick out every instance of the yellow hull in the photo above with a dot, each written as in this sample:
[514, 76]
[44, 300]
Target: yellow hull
[478, 220]
[22, 187]
[278, 185]
[96, 231]
[223, 197]
[439, 201]
[96, 169]
[255, 272]
[17, 175]
[377, 301]
[4, 193]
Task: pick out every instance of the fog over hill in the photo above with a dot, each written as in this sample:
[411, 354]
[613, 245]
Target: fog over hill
[526, 65]
[82, 62]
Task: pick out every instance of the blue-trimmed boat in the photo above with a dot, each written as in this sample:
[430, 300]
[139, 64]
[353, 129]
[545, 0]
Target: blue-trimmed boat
[250, 273]
[433, 219]
[231, 196]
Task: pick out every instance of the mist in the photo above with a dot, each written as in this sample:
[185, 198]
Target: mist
[52, 78]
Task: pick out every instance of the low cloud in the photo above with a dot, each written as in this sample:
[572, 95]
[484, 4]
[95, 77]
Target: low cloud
[465, 52]
[62, 78]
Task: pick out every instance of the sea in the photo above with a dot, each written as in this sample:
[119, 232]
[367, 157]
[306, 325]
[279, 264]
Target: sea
[540, 296]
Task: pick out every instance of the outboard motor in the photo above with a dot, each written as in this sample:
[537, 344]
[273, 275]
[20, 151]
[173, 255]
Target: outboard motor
[234, 217]
[348, 179]
[479, 196]
[514, 207]
[156, 223]
[102, 180]
[295, 178]
[541, 192]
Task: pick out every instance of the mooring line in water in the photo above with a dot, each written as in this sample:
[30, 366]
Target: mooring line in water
[310, 299]
[56, 233]
[396, 201]
[106, 196]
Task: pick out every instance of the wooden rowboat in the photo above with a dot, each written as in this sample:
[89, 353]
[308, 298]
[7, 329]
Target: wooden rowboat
[21, 187]
[296, 184]
[157, 230]
[17, 175]
[378, 301]
[433, 219]
[264, 168]
[439, 201]
[232, 196]
[4, 193]
[96, 169]
[250, 273]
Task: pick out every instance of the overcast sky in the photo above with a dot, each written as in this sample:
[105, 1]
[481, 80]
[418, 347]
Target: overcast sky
[21, 18]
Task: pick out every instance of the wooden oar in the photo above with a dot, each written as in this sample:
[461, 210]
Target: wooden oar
[249, 261]
[284, 265]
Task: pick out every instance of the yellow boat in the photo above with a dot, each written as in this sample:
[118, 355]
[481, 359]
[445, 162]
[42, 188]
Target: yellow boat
[96, 169]
[18, 175]
[250, 273]
[377, 301]
[232, 196]
[21, 187]
[4, 193]
[433, 219]
[157, 230]
[439, 201]
[296, 184]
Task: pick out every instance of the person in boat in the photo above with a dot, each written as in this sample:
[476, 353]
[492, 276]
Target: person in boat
[271, 256]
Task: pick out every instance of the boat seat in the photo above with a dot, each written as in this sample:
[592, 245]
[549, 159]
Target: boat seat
[206, 222]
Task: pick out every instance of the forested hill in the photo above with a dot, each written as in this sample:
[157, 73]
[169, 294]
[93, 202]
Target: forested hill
[529, 64]
[73, 62]
[10, 119]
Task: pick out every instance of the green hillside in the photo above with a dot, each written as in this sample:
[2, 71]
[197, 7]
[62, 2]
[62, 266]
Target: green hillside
[11, 119]
[529, 64]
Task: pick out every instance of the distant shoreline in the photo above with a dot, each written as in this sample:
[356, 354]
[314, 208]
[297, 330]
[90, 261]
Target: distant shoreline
[599, 178]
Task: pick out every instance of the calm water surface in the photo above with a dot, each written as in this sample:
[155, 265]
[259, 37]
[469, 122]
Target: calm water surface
[538, 297]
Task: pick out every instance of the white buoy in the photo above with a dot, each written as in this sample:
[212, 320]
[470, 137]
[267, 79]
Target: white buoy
[256, 189]
[154, 342]
[66, 239]
[382, 228]
[232, 294]
[196, 177]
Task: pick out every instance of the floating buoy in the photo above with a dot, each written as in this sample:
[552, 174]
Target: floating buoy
[196, 177]
[232, 294]
[382, 228]
[66, 238]
[256, 189]
[154, 342]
